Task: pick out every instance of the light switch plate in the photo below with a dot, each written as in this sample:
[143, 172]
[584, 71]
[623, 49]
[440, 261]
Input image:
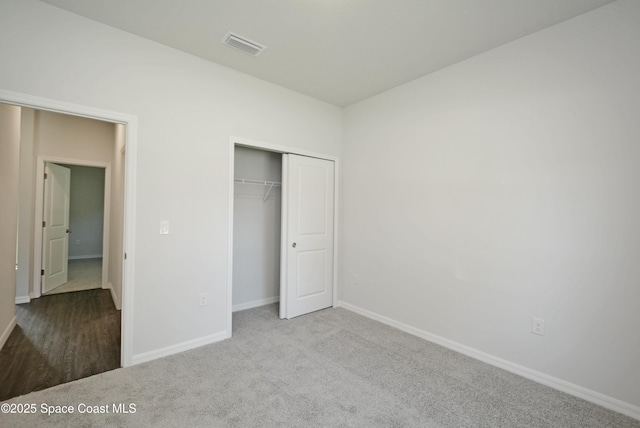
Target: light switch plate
[164, 227]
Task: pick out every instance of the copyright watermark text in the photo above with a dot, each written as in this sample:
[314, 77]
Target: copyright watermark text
[58, 409]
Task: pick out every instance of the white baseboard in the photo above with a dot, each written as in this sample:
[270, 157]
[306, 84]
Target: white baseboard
[93, 256]
[180, 347]
[114, 297]
[255, 304]
[7, 332]
[22, 299]
[536, 376]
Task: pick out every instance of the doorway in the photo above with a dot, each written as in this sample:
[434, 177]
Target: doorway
[79, 333]
[282, 228]
[122, 249]
[80, 260]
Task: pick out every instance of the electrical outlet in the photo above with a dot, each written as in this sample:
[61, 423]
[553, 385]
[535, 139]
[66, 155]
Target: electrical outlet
[202, 301]
[537, 326]
[164, 227]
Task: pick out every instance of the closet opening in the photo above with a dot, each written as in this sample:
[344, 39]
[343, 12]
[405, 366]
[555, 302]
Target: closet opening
[282, 229]
[256, 228]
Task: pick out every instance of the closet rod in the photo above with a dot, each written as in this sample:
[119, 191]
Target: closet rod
[256, 182]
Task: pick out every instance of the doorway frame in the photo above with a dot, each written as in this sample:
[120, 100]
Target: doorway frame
[275, 148]
[39, 209]
[128, 250]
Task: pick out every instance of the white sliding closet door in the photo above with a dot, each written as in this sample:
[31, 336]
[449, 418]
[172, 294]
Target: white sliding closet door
[308, 233]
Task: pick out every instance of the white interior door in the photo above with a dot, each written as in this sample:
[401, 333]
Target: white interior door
[55, 232]
[308, 211]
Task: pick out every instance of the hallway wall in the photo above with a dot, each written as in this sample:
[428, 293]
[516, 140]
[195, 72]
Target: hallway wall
[9, 177]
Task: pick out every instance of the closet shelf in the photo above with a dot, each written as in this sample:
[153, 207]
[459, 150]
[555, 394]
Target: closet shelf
[271, 185]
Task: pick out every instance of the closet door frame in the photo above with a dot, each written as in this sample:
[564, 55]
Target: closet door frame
[260, 145]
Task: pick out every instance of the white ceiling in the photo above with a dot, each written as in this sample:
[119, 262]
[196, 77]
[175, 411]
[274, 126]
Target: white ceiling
[339, 51]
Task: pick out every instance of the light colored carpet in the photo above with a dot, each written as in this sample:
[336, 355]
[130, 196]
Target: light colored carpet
[84, 274]
[331, 368]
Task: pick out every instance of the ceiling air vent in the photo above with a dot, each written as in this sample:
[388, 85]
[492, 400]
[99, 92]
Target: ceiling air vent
[244, 44]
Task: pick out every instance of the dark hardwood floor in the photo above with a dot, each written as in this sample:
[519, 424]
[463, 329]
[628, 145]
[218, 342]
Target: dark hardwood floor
[60, 338]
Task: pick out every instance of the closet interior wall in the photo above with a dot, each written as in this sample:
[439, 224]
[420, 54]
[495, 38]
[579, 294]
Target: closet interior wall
[256, 228]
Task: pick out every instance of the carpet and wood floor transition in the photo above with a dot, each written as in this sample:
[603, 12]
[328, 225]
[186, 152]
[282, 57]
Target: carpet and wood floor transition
[331, 368]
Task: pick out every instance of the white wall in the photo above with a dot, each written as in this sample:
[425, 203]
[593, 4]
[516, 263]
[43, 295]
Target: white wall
[256, 229]
[187, 109]
[507, 187]
[86, 211]
[9, 177]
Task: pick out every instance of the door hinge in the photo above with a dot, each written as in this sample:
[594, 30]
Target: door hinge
[42, 272]
[44, 224]
[125, 256]
[45, 175]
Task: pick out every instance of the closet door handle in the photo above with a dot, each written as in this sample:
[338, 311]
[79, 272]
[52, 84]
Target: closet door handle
[294, 245]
